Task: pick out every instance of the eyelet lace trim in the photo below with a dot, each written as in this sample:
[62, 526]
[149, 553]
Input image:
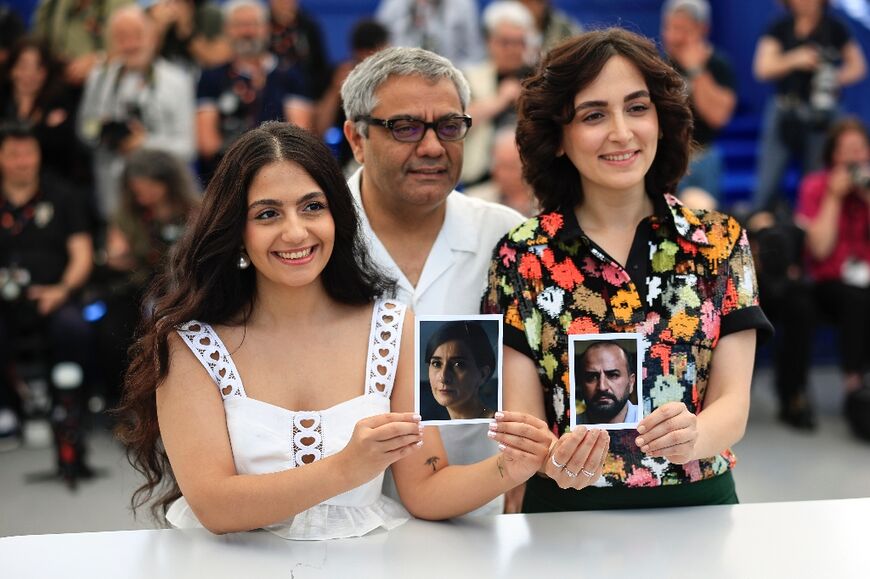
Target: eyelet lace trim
[384, 345]
[204, 342]
[307, 438]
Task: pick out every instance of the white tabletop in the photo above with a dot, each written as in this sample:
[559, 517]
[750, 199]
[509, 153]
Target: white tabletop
[813, 539]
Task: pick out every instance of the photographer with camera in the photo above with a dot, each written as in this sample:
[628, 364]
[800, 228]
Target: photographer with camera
[134, 100]
[46, 255]
[249, 89]
[834, 210]
[810, 55]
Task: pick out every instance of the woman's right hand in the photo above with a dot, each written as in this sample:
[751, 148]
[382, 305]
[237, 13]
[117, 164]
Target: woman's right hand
[379, 441]
[523, 440]
[577, 459]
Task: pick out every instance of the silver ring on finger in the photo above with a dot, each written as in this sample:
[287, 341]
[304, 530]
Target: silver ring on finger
[555, 463]
[587, 473]
[570, 473]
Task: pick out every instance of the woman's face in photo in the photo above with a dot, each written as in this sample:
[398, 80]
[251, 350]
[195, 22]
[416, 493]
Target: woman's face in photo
[454, 376]
[613, 138]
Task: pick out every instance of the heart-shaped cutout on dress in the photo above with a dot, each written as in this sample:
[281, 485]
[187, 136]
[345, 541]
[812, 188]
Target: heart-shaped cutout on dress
[307, 422]
[227, 389]
[307, 440]
[308, 458]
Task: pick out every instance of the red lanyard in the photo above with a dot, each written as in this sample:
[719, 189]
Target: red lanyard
[15, 219]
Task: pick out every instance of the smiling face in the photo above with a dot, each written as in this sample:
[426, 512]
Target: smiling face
[606, 383]
[613, 137]
[289, 233]
[454, 376]
[418, 174]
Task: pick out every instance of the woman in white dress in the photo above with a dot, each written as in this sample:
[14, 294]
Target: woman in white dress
[266, 389]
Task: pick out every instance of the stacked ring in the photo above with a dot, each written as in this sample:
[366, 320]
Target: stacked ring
[587, 473]
[570, 473]
[556, 464]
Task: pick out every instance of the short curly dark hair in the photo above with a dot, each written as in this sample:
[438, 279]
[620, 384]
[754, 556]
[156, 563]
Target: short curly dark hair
[546, 105]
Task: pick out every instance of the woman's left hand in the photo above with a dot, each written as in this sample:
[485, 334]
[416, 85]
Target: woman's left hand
[670, 431]
[524, 441]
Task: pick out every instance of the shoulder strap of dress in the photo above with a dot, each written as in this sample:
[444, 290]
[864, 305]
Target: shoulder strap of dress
[386, 338]
[208, 348]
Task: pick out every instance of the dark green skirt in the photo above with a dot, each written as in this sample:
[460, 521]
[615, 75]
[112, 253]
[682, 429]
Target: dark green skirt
[543, 495]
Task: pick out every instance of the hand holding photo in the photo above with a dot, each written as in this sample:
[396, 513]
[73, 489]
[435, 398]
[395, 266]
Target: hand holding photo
[458, 368]
[606, 380]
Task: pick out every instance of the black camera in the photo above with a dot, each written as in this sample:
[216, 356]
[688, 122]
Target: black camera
[860, 175]
[13, 283]
[113, 132]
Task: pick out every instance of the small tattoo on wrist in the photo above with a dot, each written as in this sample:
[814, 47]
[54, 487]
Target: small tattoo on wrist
[500, 464]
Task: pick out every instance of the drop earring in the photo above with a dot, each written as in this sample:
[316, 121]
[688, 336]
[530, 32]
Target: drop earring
[244, 260]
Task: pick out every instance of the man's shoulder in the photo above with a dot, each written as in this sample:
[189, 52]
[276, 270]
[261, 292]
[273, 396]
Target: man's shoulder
[214, 74]
[493, 217]
[489, 209]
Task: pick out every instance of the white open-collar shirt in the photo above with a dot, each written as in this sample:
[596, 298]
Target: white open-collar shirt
[454, 276]
[452, 282]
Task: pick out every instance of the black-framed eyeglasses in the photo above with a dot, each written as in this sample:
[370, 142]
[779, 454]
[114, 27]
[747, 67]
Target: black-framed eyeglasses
[410, 130]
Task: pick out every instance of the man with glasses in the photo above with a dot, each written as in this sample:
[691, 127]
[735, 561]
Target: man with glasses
[406, 124]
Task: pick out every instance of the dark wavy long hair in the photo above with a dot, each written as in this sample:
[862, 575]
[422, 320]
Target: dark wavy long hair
[52, 88]
[546, 105]
[202, 282]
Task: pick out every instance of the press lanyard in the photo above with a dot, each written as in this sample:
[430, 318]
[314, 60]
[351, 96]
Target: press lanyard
[15, 219]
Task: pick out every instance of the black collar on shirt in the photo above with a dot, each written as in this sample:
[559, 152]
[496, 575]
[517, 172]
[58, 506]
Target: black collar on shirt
[668, 214]
[667, 211]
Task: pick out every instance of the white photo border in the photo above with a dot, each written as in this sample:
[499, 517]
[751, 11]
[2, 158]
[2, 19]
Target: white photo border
[639, 357]
[418, 353]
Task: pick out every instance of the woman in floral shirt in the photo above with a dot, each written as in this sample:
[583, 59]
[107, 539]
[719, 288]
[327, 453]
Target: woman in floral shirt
[604, 133]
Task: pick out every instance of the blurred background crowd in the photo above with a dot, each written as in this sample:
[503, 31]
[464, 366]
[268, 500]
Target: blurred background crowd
[115, 113]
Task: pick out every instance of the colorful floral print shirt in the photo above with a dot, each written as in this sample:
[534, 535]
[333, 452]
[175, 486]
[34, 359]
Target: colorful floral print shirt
[689, 281]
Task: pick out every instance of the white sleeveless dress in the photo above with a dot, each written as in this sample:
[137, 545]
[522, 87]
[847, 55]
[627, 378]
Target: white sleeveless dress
[267, 438]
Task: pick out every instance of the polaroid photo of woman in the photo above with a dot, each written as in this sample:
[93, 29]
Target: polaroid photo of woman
[458, 368]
